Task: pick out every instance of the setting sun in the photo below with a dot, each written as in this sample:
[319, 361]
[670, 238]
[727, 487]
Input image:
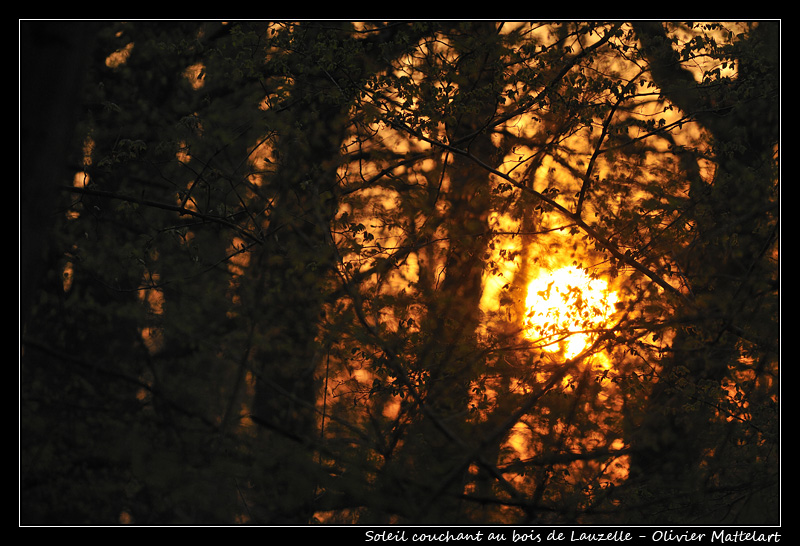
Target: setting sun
[565, 308]
[447, 273]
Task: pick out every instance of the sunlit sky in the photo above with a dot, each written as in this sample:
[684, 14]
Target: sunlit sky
[564, 307]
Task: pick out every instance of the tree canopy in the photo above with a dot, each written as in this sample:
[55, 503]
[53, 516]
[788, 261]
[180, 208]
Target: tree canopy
[399, 272]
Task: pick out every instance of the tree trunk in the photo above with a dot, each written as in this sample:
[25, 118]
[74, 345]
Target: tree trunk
[733, 215]
[53, 63]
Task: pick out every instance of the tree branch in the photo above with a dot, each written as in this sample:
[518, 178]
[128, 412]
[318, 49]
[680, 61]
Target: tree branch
[180, 209]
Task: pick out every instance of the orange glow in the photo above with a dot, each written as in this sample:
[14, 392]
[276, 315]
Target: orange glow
[68, 276]
[195, 75]
[565, 309]
[182, 154]
[119, 57]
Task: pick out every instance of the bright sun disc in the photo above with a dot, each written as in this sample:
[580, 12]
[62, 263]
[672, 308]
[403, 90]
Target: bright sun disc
[565, 307]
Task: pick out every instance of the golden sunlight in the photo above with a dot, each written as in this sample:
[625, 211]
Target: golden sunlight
[566, 308]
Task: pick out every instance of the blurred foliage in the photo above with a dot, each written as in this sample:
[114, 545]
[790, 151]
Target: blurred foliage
[287, 282]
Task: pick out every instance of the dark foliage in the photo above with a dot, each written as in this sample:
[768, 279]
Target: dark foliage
[278, 273]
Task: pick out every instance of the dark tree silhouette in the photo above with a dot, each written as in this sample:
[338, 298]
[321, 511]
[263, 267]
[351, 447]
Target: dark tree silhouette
[280, 273]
